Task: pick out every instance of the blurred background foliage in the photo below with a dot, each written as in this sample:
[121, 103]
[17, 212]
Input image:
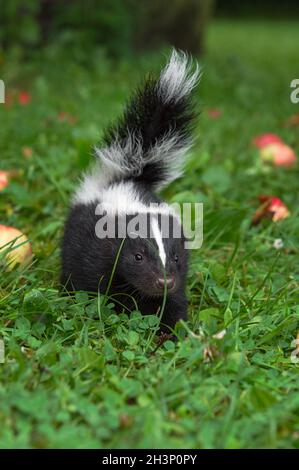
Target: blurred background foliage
[119, 26]
[122, 27]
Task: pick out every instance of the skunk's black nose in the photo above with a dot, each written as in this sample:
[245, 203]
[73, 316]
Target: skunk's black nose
[169, 281]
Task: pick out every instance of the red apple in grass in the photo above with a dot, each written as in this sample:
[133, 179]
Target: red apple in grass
[272, 208]
[278, 154]
[4, 179]
[276, 208]
[14, 246]
[24, 98]
[264, 140]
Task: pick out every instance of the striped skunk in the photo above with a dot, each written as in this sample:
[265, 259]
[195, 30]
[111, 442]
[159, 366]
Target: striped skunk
[139, 155]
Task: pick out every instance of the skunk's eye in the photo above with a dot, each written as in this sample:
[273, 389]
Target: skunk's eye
[176, 258]
[138, 257]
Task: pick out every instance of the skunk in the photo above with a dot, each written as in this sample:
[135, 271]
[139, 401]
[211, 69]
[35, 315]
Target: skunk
[139, 155]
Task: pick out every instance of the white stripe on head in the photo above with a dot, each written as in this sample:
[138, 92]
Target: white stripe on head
[120, 198]
[96, 187]
[159, 240]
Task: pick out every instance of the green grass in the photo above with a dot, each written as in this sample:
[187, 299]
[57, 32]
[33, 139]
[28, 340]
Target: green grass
[76, 374]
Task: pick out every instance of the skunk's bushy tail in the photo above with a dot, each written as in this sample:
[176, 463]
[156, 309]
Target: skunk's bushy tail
[149, 141]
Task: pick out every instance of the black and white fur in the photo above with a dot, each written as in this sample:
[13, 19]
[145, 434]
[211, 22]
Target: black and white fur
[140, 154]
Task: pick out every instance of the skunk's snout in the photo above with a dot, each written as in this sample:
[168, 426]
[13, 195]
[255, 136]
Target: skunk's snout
[169, 281]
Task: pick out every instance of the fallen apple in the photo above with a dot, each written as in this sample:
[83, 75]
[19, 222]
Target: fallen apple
[277, 209]
[24, 98]
[4, 179]
[264, 140]
[14, 246]
[271, 207]
[278, 154]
